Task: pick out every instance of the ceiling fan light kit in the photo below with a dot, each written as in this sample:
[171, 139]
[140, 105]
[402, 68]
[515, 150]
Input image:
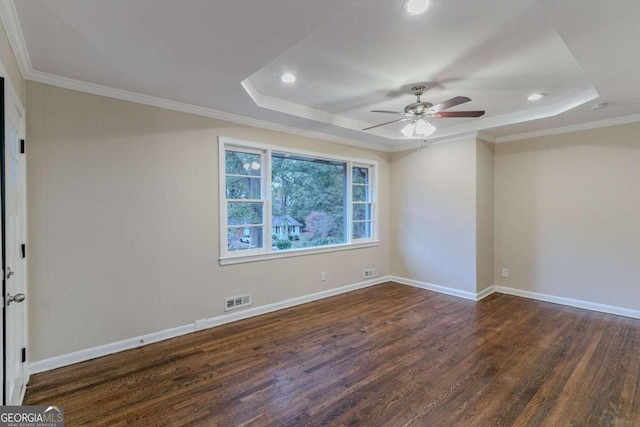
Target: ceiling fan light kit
[420, 127]
[424, 128]
[408, 130]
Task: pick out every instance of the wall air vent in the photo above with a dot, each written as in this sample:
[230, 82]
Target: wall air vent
[231, 303]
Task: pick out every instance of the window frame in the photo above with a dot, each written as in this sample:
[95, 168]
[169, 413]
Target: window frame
[263, 198]
[370, 200]
[266, 252]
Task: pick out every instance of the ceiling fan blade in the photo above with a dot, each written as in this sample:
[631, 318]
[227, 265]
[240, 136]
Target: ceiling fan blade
[449, 103]
[459, 114]
[386, 111]
[388, 123]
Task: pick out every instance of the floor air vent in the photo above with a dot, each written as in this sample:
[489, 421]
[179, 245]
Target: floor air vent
[238, 301]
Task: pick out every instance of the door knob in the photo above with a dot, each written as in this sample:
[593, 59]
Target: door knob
[16, 298]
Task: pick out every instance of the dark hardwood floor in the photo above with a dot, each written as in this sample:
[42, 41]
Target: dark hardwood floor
[389, 355]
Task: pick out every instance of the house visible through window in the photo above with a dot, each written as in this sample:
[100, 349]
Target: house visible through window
[277, 201]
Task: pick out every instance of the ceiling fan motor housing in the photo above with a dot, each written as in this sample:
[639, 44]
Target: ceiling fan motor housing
[417, 108]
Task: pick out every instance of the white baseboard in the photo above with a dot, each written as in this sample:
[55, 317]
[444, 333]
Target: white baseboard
[140, 341]
[485, 293]
[103, 350]
[106, 349]
[251, 312]
[442, 289]
[23, 392]
[587, 305]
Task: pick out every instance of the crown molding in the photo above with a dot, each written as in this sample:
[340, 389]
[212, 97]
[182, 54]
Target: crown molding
[124, 95]
[572, 128]
[486, 137]
[444, 140]
[311, 113]
[9, 17]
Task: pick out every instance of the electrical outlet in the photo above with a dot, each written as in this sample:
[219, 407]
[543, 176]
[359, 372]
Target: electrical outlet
[505, 272]
[369, 273]
[323, 276]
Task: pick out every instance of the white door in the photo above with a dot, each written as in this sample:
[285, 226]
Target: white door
[14, 185]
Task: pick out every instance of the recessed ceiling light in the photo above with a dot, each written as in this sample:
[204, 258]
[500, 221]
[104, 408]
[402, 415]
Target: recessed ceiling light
[596, 107]
[536, 96]
[288, 78]
[416, 7]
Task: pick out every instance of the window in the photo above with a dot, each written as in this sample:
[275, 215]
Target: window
[362, 203]
[244, 199]
[277, 202]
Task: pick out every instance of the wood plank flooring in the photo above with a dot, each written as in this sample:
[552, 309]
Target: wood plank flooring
[390, 355]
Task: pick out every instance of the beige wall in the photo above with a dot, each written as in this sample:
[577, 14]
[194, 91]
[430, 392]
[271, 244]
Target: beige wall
[123, 222]
[8, 59]
[123, 219]
[433, 215]
[567, 215]
[484, 214]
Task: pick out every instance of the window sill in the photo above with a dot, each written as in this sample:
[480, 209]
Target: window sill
[239, 259]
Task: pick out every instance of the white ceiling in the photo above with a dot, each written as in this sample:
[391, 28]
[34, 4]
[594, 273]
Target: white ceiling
[223, 59]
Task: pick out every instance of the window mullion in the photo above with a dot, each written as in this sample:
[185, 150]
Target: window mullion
[349, 197]
[373, 198]
[237, 175]
[268, 209]
[245, 200]
[222, 181]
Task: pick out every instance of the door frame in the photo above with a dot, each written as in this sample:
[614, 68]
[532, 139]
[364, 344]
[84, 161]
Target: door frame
[2, 234]
[8, 93]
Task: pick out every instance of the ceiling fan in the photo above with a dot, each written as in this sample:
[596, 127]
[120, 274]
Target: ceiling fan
[418, 112]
